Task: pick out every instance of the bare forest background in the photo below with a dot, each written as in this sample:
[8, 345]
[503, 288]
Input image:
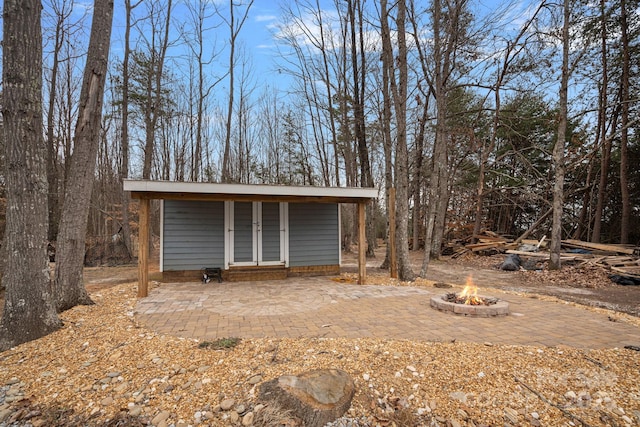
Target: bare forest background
[457, 108]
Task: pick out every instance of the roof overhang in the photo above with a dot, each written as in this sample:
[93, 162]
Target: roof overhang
[147, 189]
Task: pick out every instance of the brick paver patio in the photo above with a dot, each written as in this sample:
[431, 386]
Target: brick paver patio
[320, 307]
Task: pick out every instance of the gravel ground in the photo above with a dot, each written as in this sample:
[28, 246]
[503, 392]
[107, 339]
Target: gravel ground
[103, 369]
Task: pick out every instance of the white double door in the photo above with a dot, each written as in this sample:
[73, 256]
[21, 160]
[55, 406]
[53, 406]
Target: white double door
[257, 233]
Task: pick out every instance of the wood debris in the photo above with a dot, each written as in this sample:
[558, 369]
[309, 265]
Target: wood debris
[612, 260]
[485, 243]
[599, 248]
[619, 259]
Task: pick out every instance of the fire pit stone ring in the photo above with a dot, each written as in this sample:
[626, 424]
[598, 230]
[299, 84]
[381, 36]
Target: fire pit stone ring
[500, 308]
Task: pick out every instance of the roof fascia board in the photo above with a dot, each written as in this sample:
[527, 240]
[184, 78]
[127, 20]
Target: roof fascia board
[214, 191]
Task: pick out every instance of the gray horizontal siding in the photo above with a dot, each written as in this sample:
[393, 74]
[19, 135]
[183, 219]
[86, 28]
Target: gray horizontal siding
[193, 235]
[313, 234]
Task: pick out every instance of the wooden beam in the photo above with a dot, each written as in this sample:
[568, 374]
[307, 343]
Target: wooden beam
[621, 249]
[143, 249]
[241, 197]
[393, 262]
[362, 244]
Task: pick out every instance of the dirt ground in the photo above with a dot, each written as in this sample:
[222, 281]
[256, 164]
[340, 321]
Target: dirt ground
[104, 369]
[587, 285]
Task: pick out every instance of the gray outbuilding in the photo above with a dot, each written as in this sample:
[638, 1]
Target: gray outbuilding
[247, 232]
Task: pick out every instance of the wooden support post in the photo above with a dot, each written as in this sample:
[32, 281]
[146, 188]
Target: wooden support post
[143, 249]
[393, 262]
[362, 244]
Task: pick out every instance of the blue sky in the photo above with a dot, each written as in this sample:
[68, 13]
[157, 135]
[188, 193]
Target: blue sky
[258, 33]
[256, 37]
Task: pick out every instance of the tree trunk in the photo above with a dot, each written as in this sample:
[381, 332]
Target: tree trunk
[399, 92]
[154, 98]
[605, 159]
[583, 224]
[234, 30]
[52, 144]
[477, 224]
[533, 226]
[441, 168]
[329, 88]
[226, 156]
[513, 49]
[624, 123]
[69, 287]
[558, 149]
[417, 176]
[439, 162]
[359, 74]
[124, 169]
[434, 217]
[198, 12]
[29, 308]
[602, 120]
[389, 260]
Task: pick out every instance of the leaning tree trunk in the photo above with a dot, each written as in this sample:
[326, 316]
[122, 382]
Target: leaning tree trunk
[69, 287]
[29, 310]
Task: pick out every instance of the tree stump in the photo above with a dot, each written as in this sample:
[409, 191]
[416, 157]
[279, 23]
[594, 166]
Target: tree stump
[316, 397]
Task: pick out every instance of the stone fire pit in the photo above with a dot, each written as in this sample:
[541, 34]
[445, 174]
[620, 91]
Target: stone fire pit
[494, 307]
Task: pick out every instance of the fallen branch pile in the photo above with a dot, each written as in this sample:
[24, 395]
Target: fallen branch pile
[619, 259]
[486, 243]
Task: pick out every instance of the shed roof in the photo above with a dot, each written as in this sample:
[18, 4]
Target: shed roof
[149, 189]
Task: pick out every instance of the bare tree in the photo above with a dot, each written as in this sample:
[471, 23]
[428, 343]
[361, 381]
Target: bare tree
[509, 56]
[69, 287]
[590, 216]
[387, 141]
[399, 95]
[601, 130]
[200, 13]
[358, 75]
[624, 123]
[29, 308]
[318, 62]
[124, 137]
[62, 11]
[245, 129]
[443, 50]
[327, 80]
[559, 147]
[153, 85]
[234, 31]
